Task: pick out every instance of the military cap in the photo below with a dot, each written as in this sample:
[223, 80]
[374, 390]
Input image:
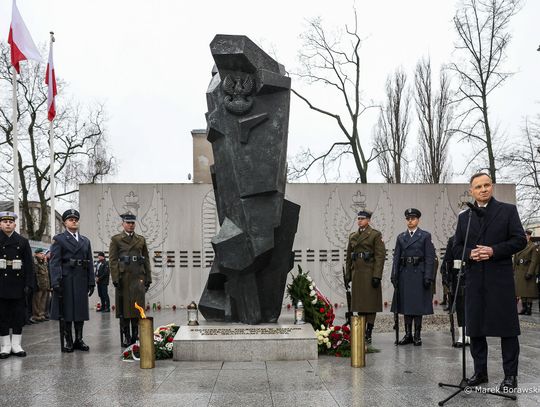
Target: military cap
[365, 214]
[412, 212]
[39, 250]
[101, 254]
[128, 217]
[71, 213]
[8, 216]
[529, 232]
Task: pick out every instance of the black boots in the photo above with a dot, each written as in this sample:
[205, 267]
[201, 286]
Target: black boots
[68, 338]
[125, 339]
[408, 338]
[529, 308]
[509, 384]
[526, 308]
[369, 330]
[417, 340]
[134, 332]
[79, 343]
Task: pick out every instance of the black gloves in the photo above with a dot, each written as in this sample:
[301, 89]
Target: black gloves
[91, 290]
[528, 276]
[146, 287]
[375, 282]
[115, 283]
[427, 283]
[57, 289]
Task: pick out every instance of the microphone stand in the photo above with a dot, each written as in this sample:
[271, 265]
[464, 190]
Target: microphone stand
[463, 386]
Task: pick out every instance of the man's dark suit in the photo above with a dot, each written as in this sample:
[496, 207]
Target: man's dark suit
[102, 280]
[490, 304]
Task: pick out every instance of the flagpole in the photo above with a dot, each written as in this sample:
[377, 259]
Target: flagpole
[52, 186]
[15, 152]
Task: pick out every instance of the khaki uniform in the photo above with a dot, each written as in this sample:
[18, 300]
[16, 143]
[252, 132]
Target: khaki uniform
[526, 265]
[365, 260]
[39, 299]
[130, 269]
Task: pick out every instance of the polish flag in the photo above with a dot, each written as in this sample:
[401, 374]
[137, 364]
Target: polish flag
[20, 40]
[50, 80]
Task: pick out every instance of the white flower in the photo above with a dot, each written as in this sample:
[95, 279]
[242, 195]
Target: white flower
[169, 346]
[312, 293]
[328, 345]
[314, 301]
[325, 340]
[322, 327]
[311, 286]
[309, 278]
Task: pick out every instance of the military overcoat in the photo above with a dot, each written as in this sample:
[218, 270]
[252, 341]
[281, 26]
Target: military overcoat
[365, 261]
[130, 269]
[71, 267]
[525, 268]
[490, 295]
[12, 282]
[413, 297]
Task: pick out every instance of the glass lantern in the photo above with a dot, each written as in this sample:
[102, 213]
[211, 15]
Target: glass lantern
[299, 313]
[193, 314]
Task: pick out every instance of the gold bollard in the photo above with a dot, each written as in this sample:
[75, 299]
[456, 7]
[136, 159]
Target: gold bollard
[146, 338]
[358, 345]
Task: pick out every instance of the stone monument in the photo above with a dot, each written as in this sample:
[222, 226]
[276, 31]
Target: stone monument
[248, 114]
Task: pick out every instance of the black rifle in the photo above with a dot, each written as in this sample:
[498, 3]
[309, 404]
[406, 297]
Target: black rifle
[348, 314]
[120, 307]
[395, 301]
[61, 316]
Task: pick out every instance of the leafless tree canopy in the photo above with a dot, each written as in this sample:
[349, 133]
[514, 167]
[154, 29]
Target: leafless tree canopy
[393, 128]
[483, 36]
[79, 142]
[435, 113]
[523, 162]
[333, 60]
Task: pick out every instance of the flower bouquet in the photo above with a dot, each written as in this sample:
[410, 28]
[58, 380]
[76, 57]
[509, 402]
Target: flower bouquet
[334, 340]
[163, 343]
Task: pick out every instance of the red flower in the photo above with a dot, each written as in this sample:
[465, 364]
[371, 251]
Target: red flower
[126, 354]
[321, 310]
[346, 329]
[135, 348]
[338, 355]
[346, 337]
[337, 328]
[170, 339]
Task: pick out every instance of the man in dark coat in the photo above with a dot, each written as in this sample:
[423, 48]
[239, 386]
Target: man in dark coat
[365, 263]
[412, 276]
[490, 300]
[72, 279]
[131, 276]
[16, 278]
[102, 281]
[525, 266]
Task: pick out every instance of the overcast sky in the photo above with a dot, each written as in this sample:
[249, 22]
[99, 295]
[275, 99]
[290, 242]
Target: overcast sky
[149, 61]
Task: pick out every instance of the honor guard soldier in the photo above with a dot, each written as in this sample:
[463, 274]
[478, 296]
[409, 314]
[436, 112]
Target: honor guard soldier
[72, 280]
[365, 262]
[412, 274]
[525, 266]
[131, 275]
[16, 278]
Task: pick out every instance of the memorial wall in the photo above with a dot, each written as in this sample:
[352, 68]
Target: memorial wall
[179, 221]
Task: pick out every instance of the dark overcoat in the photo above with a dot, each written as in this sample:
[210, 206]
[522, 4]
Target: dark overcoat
[131, 277]
[103, 273]
[75, 279]
[361, 270]
[413, 297]
[12, 282]
[490, 297]
[525, 266]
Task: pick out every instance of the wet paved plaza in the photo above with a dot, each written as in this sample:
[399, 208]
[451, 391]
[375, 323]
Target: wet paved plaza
[404, 376]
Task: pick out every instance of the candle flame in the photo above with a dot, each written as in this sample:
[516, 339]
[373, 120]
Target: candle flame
[141, 310]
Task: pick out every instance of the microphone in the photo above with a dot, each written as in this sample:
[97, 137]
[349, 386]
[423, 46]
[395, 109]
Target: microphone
[480, 212]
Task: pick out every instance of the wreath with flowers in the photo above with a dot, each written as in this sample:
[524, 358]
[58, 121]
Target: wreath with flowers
[163, 343]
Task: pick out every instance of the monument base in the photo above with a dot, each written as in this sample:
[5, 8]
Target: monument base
[245, 343]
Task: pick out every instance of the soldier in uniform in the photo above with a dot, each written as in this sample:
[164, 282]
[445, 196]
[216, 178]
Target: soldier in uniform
[525, 265]
[365, 262]
[412, 275]
[16, 278]
[72, 279]
[39, 300]
[131, 275]
[102, 281]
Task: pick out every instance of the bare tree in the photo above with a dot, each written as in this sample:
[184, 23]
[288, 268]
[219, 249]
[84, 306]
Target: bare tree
[523, 161]
[482, 28]
[79, 140]
[392, 129]
[435, 113]
[333, 60]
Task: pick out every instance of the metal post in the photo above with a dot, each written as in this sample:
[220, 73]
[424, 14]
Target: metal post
[358, 341]
[15, 151]
[146, 338]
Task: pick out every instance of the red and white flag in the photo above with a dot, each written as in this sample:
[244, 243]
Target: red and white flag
[20, 40]
[50, 80]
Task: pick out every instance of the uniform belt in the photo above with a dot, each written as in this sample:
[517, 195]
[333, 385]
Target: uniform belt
[411, 260]
[130, 259]
[15, 264]
[524, 261]
[361, 255]
[76, 262]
